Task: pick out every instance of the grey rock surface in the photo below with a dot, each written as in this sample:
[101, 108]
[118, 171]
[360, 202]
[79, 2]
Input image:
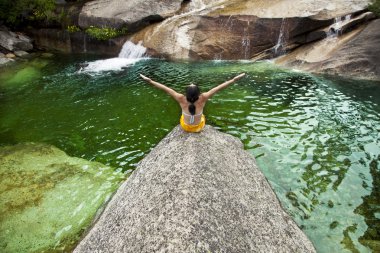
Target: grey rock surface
[116, 13]
[11, 42]
[196, 193]
[4, 60]
[20, 53]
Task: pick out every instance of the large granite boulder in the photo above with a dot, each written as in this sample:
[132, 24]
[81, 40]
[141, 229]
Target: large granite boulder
[222, 37]
[356, 54]
[196, 193]
[130, 13]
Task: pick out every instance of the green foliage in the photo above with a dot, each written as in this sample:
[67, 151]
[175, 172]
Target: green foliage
[105, 33]
[14, 11]
[375, 7]
[72, 28]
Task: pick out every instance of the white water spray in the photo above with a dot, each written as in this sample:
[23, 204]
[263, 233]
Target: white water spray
[246, 42]
[129, 55]
[278, 48]
[132, 51]
[336, 28]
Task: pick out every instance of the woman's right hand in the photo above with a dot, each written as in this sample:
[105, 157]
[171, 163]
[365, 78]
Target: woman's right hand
[239, 77]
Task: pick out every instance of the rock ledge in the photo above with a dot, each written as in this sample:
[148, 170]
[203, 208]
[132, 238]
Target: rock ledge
[196, 193]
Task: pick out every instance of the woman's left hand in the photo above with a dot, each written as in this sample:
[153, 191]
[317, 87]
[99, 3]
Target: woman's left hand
[239, 76]
[144, 77]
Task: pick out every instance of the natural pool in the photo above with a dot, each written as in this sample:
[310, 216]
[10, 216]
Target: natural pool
[315, 138]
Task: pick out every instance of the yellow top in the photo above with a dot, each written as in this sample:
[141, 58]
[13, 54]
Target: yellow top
[193, 128]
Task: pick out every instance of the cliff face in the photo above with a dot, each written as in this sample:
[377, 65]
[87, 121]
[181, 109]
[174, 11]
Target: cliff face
[196, 193]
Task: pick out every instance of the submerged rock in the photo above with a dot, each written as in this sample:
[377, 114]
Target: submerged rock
[48, 198]
[196, 193]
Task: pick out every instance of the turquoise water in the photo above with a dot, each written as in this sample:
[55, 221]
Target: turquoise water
[315, 138]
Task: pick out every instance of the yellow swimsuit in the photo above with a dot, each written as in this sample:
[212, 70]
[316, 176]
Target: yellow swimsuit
[192, 128]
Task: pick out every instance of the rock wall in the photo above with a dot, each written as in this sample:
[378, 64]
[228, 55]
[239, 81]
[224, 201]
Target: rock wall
[196, 193]
[78, 42]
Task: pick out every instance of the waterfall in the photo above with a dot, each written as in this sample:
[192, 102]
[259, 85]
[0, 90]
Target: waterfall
[129, 55]
[132, 51]
[278, 48]
[246, 42]
[336, 28]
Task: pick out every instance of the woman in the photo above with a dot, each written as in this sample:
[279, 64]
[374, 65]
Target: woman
[192, 119]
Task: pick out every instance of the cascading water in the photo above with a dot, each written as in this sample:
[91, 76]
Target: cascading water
[246, 42]
[279, 47]
[132, 51]
[129, 54]
[336, 29]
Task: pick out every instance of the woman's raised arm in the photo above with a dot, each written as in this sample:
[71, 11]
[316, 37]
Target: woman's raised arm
[214, 90]
[177, 96]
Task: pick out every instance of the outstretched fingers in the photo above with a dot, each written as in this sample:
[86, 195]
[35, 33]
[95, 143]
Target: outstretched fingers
[239, 76]
[144, 77]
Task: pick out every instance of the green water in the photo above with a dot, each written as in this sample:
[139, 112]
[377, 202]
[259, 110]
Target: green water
[315, 138]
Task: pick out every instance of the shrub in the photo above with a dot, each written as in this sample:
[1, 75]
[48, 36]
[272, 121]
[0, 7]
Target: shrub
[72, 28]
[105, 33]
[15, 11]
[375, 7]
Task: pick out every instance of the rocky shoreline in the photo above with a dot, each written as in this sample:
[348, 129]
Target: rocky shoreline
[13, 45]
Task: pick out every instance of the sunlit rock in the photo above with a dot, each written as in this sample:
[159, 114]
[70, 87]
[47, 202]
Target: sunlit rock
[196, 193]
[48, 198]
[131, 13]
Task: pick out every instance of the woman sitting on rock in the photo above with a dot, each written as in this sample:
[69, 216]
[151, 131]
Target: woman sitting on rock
[192, 119]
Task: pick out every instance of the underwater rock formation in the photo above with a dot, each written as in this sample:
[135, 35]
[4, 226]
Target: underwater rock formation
[48, 198]
[196, 193]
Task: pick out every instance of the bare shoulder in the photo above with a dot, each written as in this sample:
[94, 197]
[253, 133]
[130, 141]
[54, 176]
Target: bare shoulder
[203, 97]
[181, 99]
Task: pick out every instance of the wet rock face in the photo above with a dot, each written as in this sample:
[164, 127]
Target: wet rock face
[196, 193]
[78, 42]
[224, 37]
[360, 57]
[355, 54]
[131, 13]
[244, 37]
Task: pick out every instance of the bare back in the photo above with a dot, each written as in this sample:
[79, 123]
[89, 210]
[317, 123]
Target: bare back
[199, 105]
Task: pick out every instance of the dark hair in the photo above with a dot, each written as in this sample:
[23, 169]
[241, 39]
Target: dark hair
[192, 95]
